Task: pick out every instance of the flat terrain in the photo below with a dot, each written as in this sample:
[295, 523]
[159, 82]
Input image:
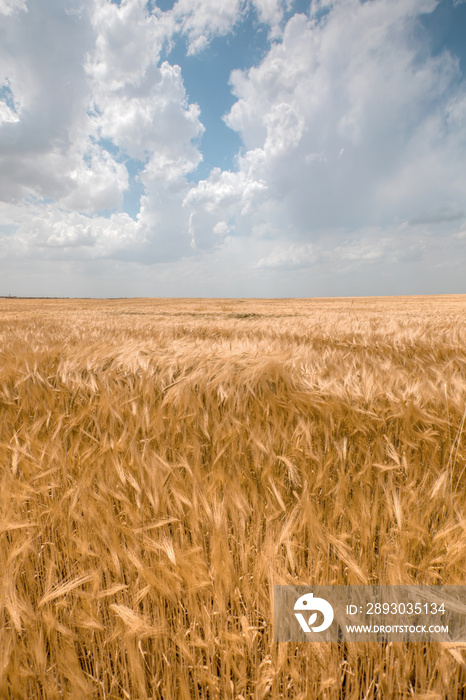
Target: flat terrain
[164, 463]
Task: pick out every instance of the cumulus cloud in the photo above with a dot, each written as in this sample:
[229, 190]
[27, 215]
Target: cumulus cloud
[48, 143]
[224, 195]
[43, 230]
[7, 114]
[139, 106]
[156, 121]
[84, 91]
[8, 7]
[201, 20]
[128, 40]
[271, 12]
[353, 136]
[348, 122]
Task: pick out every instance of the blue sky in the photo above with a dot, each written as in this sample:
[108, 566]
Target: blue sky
[261, 148]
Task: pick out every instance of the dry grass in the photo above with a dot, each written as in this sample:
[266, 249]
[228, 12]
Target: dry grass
[164, 463]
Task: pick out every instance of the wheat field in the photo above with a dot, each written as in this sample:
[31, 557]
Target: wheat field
[165, 462]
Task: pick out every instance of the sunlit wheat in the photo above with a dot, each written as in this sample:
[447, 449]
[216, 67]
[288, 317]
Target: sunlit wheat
[164, 463]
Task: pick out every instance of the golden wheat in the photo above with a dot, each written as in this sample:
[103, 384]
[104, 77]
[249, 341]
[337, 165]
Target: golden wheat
[164, 463]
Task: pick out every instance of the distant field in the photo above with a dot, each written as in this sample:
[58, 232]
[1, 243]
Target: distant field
[164, 463]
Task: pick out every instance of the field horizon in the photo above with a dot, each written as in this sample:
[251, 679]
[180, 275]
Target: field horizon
[373, 298]
[166, 462]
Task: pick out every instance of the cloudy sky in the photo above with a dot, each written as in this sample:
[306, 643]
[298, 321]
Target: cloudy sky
[232, 148]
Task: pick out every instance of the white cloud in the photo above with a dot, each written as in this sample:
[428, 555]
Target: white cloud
[97, 182]
[271, 12]
[41, 63]
[289, 258]
[350, 128]
[7, 114]
[201, 20]
[129, 40]
[44, 230]
[8, 7]
[98, 97]
[156, 121]
[223, 195]
[142, 108]
[284, 126]
[348, 122]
